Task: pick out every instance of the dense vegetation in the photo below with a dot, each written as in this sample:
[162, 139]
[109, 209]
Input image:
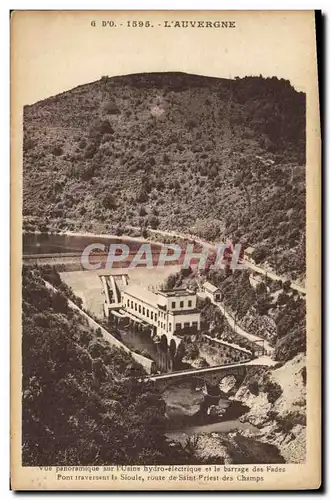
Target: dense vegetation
[214, 157]
[82, 401]
[272, 310]
[215, 325]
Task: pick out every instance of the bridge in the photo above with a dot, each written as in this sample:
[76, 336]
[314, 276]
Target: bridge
[214, 374]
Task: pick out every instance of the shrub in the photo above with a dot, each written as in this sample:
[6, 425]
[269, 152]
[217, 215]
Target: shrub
[287, 286]
[111, 107]
[166, 159]
[28, 144]
[274, 391]
[142, 196]
[260, 254]
[59, 303]
[57, 150]
[154, 222]
[142, 211]
[82, 143]
[109, 202]
[254, 388]
[191, 124]
[90, 151]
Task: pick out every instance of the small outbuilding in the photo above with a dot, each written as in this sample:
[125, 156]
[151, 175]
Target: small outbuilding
[212, 292]
[248, 254]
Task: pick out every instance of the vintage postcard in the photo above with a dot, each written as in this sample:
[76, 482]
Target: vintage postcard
[165, 230]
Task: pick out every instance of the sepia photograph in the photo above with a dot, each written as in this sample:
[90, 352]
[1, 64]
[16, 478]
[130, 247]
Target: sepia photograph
[162, 287]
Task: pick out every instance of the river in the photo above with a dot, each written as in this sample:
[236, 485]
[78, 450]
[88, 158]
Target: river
[45, 243]
[185, 418]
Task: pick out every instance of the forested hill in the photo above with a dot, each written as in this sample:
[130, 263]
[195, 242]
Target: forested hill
[219, 158]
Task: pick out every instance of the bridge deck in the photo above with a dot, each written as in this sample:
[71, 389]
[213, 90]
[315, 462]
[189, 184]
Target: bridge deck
[264, 361]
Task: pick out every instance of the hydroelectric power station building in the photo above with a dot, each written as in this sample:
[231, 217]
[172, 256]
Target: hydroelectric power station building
[168, 312]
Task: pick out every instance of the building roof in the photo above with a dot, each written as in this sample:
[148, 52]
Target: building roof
[210, 287]
[178, 312]
[177, 292]
[249, 250]
[141, 293]
[112, 272]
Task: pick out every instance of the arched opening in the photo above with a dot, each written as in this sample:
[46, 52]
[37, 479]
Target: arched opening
[172, 348]
[180, 351]
[164, 343]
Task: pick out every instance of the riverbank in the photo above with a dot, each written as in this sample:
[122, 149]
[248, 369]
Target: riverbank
[138, 239]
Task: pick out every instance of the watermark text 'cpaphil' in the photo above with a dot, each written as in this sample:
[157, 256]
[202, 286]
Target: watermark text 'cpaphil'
[97, 256]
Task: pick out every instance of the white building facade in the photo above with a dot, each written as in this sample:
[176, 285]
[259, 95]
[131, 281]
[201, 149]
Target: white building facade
[169, 312]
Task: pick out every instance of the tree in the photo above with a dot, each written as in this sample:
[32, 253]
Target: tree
[171, 282]
[111, 107]
[59, 303]
[259, 254]
[142, 211]
[142, 197]
[153, 222]
[287, 286]
[109, 202]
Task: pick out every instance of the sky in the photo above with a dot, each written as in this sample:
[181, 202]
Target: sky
[55, 51]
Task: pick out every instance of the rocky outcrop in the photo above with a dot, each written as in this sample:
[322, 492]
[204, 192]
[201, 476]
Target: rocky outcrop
[228, 383]
[277, 402]
[236, 448]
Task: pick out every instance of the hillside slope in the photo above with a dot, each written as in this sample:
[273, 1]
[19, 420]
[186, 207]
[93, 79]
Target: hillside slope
[219, 158]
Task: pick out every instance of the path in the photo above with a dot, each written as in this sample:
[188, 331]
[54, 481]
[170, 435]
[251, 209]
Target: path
[236, 328]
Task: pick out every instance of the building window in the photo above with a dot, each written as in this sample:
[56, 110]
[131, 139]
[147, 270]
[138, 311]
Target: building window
[143, 311]
[140, 309]
[169, 327]
[178, 326]
[128, 303]
[173, 305]
[147, 313]
[152, 315]
[186, 325]
[190, 303]
[131, 304]
[135, 306]
[181, 304]
[195, 324]
[158, 323]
